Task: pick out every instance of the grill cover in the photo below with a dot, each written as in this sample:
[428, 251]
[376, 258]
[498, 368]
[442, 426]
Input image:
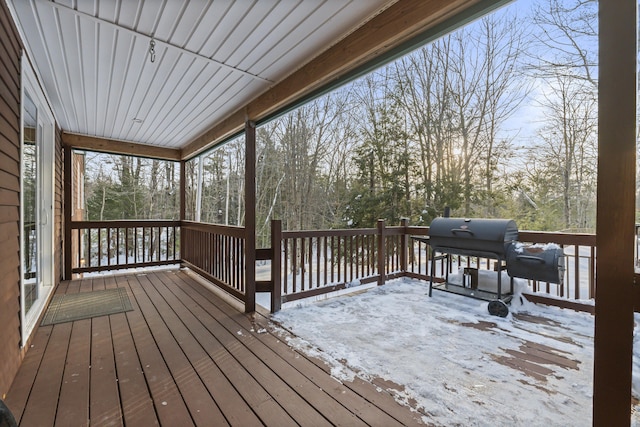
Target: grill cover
[473, 237]
[535, 262]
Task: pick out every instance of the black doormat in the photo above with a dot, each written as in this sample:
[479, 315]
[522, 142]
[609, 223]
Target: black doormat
[84, 305]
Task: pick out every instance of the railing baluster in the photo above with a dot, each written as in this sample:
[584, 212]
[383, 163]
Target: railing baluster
[294, 263]
[117, 229]
[324, 246]
[332, 249]
[80, 247]
[338, 259]
[318, 252]
[285, 265]
[592, 273]
[305, 279]
[576, 248]
[144, 244]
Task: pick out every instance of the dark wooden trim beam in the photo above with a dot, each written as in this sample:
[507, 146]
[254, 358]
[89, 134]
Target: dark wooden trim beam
[636, 294]
[250, 216]
[85, 142]
[183, 190]
[276, 265]
[381, 253]
[68, 211]
[390, 28]
[613, 342]
[397, 24]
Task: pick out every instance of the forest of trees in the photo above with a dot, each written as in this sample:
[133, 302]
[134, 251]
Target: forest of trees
[498, 119]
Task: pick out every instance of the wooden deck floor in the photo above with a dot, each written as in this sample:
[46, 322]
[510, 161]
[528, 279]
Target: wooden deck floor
[182, 357]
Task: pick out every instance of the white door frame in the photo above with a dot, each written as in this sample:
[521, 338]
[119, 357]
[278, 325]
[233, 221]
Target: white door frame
[45, 212]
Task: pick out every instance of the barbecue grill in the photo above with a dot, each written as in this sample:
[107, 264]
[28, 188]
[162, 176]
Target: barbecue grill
[494, 239]
[478, 237]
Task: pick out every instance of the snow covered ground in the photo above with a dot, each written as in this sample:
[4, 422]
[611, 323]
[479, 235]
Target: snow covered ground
[452, 360]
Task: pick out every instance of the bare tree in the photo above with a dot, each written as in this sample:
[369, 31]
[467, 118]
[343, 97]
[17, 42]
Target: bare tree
[567, 39]
[566, 69]
[458, 92]
[569, 147]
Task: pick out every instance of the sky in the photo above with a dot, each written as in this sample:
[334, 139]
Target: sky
[454, 359]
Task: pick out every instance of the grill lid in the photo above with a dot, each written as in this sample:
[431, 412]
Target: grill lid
[473, 237]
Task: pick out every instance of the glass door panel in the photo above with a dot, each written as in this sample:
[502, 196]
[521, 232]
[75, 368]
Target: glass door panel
[31, 208]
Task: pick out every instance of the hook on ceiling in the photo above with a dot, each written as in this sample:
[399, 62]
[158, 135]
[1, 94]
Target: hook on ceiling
[152, 50]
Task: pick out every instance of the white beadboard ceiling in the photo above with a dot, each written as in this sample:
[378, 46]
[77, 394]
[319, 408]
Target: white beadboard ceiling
[211, 58]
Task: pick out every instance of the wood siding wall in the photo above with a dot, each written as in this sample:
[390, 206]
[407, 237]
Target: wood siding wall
[10, 51]
[11, 353]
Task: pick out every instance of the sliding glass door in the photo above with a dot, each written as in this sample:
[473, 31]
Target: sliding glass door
[36, 203]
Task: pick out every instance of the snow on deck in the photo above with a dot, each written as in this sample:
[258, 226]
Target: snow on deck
[453, 361]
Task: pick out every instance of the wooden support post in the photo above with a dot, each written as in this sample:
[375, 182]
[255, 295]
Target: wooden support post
[250, 216]
[382, 256]
[615, 213]
[183, 207]
[276, 265]
[68, 210]
[183, 190]
[404, 245]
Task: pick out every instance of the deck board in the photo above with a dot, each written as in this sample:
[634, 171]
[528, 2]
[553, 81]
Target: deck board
[41, 407]
[160, 383]
[23, 383]
[201, 405]
[137, 404]
[362, 410]
[290, 399]
[182, 356]
[104, 395]
[324, 403]
[237, 408]
[73, 402]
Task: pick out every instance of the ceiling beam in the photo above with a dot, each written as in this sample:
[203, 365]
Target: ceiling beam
[113, 146]
[395, 25]
[158, 43]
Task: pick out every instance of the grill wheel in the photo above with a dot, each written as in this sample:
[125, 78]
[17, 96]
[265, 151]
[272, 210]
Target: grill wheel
[498, 308]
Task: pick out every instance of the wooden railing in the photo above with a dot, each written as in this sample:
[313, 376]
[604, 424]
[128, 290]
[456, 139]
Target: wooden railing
[217, 252]
[309, 263]
[320, 261]
[317, 262]
[111, 245]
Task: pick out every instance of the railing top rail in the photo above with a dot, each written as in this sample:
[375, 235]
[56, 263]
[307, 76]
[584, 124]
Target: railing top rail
[122, 223]
[227, 230]
[395, 230]
[583, 239]
[328, 233]
[417, 230]
[561, 238]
